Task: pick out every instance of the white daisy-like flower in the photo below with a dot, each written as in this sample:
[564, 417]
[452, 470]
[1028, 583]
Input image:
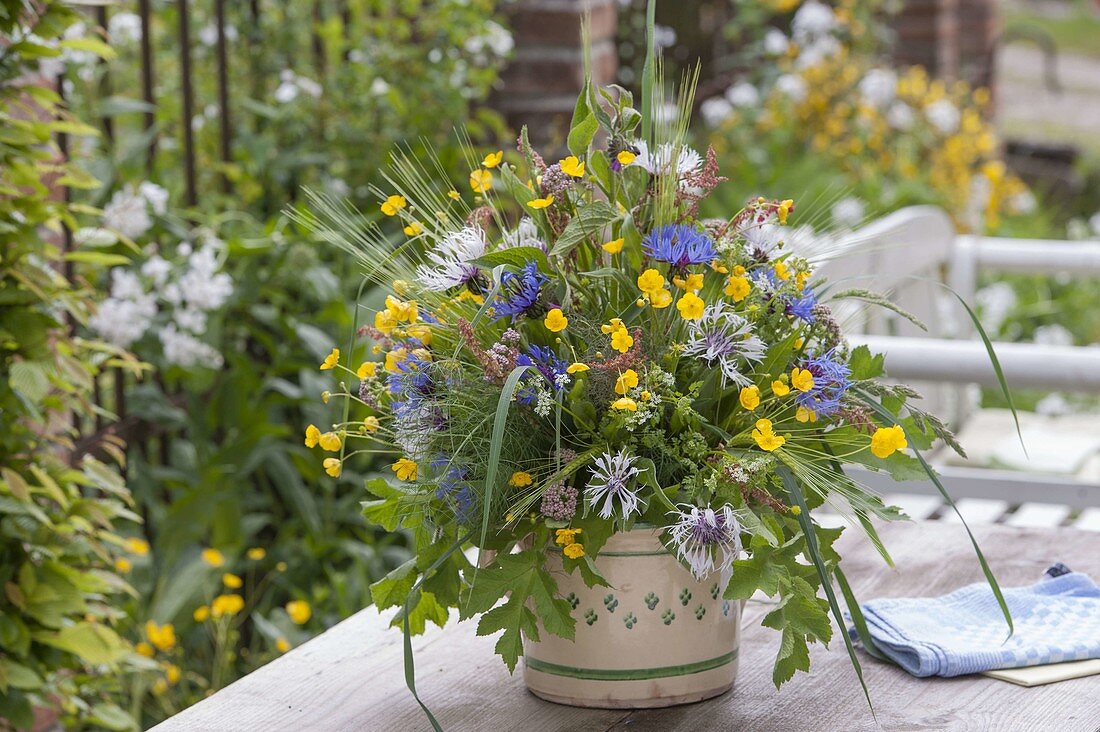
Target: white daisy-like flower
[127, 213]
[878, 87]
[609, 482]
[450, 262]
[943, 115]
[761, 237]
[707, 540]
[725, 338]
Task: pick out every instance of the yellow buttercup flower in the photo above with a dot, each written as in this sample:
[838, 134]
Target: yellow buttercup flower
[784, 209]
[405, 311]
[887, 440]
[780, 388]
[625, 404]
[201, 614]
[299, 611]
[555, 321]
[611, 326]
[520, 479]
[385, 321]
[213, 557]
[313, 436]
[137, 546]
[572, 166]
[232, 581]
[282, 645]
[625, 157]
[802, 379]
[650, 281]
[691, 306]
[229, 604]
[577, 368]
[614, 246]
[395, 357]
[256, 553]
[325, 396]
[660, 299]
[421, 332]
[367, 370]
[405, 469]
[565, 536]
[750, 397]
[331, 360]
[627, 380]
[480, 180]
[782, 271]
[333, 467]
[573, 551]
[144, 649]
[330, 442]
[692, 283]
[540, 203]
[718, 267]
[163, 637]
[454, 195]
[802, 414]
[621, 340]
[172, 673]
[371, 423]
[393, 204]
[413, 228]
[765, 437]
[738, 288]
[123, 565]
[492, 160]
[646, 396]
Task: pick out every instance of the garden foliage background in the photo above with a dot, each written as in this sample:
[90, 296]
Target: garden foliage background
[162, 320]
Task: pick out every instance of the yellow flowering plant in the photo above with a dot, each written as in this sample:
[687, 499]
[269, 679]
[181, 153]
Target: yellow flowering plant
[537, 391]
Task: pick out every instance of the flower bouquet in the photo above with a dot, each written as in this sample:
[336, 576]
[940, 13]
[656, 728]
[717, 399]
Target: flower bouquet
[630, 412]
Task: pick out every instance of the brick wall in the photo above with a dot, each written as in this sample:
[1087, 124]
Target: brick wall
[540, 85]
[953, 39]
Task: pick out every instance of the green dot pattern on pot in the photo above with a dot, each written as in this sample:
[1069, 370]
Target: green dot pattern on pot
[573, 600]
[668, 617]
[610, 603]
[685, 596]
[590, 616]
[700, 612]
[630, 620]
[651, 600]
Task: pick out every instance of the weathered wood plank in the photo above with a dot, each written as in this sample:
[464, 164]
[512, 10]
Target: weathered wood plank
[351, 677]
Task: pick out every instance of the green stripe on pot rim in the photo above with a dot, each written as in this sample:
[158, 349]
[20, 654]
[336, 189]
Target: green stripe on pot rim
[629, 674]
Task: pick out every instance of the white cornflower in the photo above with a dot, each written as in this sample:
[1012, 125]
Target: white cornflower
[526, 234]
[659, 161]
[878, 87]
[609, 482]
[943, 115]
[722, 336]
[707, 540]
[743, 95]
[450, 262]
[761, 237]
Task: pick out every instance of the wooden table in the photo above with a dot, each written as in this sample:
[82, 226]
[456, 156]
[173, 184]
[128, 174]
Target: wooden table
[350, 678]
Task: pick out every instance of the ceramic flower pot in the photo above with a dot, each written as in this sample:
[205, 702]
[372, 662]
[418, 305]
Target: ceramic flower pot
[655, 638]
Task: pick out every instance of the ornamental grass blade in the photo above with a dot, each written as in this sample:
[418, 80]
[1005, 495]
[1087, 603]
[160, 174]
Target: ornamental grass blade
[885, 415]
[649, 71]
[823, 573]
[410, 669]
[858, 620]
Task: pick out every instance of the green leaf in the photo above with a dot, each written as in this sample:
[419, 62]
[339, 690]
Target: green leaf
[91, 45]
[794, 655]
[395, 586]
[112, 717]
[91, 642]
[584, 124]
[424, 608]
[864, 365]
[589, 221]
[516, 257]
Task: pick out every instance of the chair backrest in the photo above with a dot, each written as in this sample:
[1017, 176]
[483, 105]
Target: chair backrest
[906, 257]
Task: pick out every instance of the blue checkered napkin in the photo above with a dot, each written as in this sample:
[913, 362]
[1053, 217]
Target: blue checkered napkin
[1057, 619]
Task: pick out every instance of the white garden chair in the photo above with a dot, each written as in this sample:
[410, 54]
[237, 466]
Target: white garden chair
[908, 255]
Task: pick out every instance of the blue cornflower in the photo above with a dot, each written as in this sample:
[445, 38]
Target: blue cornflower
[802, 307]
[679, 245]
[546, 362]
[453, 486]
[831, 382]
[519, 291]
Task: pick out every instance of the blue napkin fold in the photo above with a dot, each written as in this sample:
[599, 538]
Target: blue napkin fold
[1056, 619]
